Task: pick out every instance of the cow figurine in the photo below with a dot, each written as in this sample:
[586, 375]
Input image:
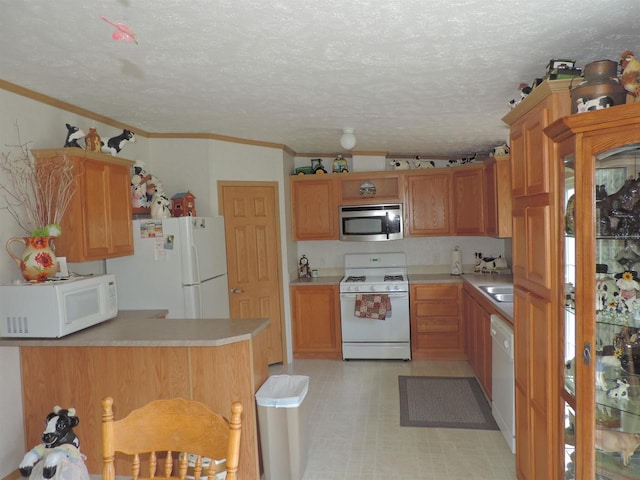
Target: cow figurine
[73, 135]
[419, 163]
[160, 206]
[60, 448]
[115, 144]
[621, 392]
[400, 164]
[617, 442]
[587, 105]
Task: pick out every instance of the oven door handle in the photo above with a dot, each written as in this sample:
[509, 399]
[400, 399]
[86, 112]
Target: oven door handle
[391, 294]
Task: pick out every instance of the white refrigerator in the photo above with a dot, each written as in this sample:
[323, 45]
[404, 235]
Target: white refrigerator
[179, 264]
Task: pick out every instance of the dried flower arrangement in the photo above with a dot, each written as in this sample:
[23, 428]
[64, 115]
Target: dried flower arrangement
[36, 194]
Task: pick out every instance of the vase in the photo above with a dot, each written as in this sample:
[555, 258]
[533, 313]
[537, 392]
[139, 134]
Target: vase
[599, 89]
[37, 261]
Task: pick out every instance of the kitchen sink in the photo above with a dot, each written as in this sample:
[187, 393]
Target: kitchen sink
[495, 289]
[502, 297]
[500, 293]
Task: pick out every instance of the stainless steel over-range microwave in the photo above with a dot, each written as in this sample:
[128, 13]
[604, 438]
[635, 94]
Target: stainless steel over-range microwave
[371, 223]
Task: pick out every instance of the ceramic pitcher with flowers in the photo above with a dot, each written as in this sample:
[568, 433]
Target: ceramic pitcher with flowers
[37, 262]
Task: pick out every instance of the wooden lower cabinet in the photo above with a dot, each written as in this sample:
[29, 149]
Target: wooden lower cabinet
[315, 311]
[477, 321]
[80, 377]
[436, 330]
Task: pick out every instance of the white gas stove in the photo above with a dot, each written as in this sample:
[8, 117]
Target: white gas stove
[375, 278]
[381, 272]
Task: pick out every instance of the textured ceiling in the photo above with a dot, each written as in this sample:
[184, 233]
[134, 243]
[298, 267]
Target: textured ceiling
[410, 76]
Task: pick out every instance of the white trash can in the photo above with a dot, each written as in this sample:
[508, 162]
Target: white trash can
[283, 426]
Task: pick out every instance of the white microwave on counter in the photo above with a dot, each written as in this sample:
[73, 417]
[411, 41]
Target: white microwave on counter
[56, 308]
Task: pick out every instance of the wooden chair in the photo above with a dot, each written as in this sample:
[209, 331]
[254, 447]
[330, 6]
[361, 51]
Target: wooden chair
[174, 426]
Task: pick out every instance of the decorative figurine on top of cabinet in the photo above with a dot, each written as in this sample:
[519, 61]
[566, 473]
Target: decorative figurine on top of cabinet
[73, 135]
[304, 270]
[183, 204]
[92, 141]
[339, 165]
[117, 143]
[630, 78]
[59, 453]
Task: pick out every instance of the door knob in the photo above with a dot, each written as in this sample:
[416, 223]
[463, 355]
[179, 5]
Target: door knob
[236, 290]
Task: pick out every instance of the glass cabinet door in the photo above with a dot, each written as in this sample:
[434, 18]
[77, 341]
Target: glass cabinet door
[568, 393]
[616, 351]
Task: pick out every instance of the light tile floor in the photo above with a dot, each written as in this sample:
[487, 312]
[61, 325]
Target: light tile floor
[355, 433]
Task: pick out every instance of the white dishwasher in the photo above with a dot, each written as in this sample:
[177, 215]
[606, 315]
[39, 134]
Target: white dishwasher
[502, 381]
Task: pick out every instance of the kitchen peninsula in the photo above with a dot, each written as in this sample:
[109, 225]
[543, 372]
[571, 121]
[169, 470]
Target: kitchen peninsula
[138, 357]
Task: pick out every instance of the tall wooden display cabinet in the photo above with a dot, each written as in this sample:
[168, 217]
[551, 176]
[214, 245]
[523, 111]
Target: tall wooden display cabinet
[534, 220]
[596, 163]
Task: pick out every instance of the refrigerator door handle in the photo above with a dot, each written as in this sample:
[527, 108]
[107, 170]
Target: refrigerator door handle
[193, 301]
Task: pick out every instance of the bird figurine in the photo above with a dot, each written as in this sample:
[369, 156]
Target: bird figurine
[630, 78]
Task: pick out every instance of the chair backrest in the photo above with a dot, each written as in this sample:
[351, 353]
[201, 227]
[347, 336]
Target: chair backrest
[172, 428]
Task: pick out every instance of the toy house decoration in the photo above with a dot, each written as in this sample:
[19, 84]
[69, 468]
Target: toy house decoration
[183, 204]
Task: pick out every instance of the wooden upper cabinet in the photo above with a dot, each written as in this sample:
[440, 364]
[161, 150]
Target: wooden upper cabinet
[314, 207]
[470, 202]
[428, 206]
[530, 148]
[98, 221]
[387, 185]
[498, 196]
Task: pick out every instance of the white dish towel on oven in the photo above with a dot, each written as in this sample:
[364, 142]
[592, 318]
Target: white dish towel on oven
[376, 306]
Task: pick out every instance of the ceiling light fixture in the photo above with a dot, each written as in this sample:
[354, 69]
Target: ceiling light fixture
[348, 139]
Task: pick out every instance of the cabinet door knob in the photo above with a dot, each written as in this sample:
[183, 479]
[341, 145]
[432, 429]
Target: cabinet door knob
[236, 290]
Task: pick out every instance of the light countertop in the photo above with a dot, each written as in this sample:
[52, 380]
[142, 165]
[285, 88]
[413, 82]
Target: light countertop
[148, 328]
[328, 280]
[474, 279]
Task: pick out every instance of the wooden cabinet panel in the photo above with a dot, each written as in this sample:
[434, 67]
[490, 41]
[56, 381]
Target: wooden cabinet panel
[314, 208]
[428, 208]
[97, 224]
[498, 195]
[535, 367]
[477, 324]
[469, 201]
[532, 263]
[388, 188]
[530, 147]
[80, 377]
[436, 330]
[537, 152]
[518, 168]
[316, 321]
